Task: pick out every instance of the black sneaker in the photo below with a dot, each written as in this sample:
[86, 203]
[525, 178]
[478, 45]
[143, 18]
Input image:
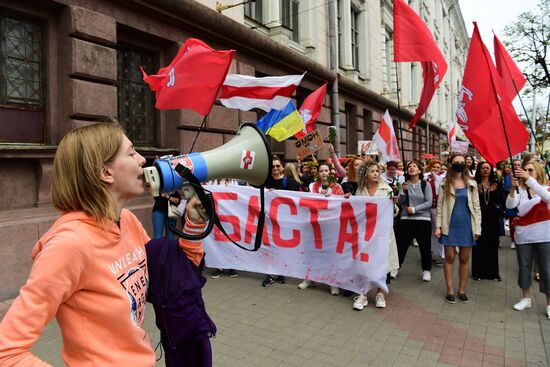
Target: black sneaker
[268, 280]
[462, 297]
[450, 298]
[280, 279]
[218, 273]
[233, 273]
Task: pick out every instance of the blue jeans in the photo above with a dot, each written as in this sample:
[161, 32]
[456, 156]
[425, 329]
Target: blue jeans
[160, 225]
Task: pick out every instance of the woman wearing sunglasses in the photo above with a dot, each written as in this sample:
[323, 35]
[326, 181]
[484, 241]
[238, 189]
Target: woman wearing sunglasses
[531, 196]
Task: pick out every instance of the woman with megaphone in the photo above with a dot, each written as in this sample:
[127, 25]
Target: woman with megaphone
[90, 269]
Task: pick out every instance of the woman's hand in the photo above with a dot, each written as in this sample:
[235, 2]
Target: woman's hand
[195, 211]
[476, 236]
[410, 210]
[437, 232]
[515, 182]
[331, 149]
[395, 199]
[521, 173]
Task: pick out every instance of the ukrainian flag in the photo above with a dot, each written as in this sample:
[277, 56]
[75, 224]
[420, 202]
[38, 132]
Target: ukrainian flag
[281, 124]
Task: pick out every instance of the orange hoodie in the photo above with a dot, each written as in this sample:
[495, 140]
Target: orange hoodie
[94, 282]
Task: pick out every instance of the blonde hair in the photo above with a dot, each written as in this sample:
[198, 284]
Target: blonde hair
[539, 169]
[77, 167]
[363, 173]
[291, 171]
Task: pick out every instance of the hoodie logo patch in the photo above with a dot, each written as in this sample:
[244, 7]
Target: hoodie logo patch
[135, 283]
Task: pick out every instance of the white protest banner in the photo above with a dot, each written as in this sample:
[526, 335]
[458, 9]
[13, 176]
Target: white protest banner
[332, 240]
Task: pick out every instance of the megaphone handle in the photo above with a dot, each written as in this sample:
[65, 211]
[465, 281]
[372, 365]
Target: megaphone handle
[208, 204]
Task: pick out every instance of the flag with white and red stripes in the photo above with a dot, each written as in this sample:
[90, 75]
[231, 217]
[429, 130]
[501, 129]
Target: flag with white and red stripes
[246, 92]
[451, 133]
[533, 222]
[386, 140]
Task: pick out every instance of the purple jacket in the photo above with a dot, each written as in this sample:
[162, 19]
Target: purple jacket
[175, 285]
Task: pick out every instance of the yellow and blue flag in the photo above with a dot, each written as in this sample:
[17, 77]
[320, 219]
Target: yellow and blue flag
[281, 124]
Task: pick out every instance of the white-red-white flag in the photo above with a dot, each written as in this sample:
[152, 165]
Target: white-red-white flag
[451, 133]
[386, 140]
[246, 92]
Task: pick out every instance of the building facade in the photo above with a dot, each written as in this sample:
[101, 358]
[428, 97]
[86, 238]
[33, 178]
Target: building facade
[70, 63]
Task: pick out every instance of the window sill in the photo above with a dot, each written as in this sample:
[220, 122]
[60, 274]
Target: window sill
[15, 150]
[153, 152]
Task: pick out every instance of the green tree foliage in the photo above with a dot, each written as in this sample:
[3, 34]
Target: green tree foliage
[528, 41]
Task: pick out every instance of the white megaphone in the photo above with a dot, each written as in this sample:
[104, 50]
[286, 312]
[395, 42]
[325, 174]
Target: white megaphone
[246, 157]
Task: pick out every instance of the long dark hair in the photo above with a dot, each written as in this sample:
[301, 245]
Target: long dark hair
[492, 177]
[473, 165]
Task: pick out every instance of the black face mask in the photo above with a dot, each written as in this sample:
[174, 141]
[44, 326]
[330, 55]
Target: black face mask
[458, 167]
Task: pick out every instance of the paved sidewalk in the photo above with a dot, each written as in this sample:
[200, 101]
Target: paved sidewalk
[284, 326]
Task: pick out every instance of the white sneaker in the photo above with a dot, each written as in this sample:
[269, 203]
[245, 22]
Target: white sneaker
[360, 302]
[523, 304]
[548, 312]
[393, 273]
[414, 243]
[380, 300]
[334, 291]
[304, 284]
[426, 276]
[513, 246]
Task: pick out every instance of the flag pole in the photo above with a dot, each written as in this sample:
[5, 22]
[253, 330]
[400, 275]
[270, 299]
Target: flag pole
[497, 98]
[527, 117]
[399, 113]
[198, 132]
[545, 125]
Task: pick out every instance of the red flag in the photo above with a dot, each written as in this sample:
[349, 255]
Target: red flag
[193, 78]
[508, 70]
[310, 110]
[413, 41]
[478, 112]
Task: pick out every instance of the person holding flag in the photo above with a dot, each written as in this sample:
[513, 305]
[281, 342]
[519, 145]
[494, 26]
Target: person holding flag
[531, 196]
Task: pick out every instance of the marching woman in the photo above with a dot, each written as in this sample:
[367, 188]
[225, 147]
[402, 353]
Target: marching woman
[352, 179]
[491, 200]
[370, 184]
[415, 201]
[90, 269]
[531, 234]
[327, 187]
[458, 223]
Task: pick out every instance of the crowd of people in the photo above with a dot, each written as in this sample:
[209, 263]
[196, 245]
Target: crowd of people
[450, 210]
[96, 267]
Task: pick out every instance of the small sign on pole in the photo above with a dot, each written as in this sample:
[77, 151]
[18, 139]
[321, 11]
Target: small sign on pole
[366, 147]
[459, 147]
